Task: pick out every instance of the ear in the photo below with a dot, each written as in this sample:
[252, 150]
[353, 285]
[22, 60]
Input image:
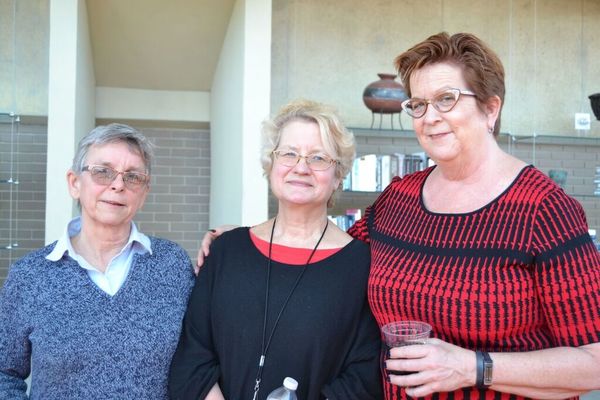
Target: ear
[74, 183]
[492, 110]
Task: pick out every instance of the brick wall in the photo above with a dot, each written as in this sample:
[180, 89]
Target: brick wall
[579, 157]
[28, 198]
[176, 207]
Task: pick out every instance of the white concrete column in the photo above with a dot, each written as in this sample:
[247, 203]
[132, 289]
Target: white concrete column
[240, 100]
[71, 104]
[256, 102]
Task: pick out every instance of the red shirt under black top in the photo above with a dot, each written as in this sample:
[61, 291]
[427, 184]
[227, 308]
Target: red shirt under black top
[518, 274]
[291, 255]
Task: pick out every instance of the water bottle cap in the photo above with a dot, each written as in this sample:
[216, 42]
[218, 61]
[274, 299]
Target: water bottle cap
[290, 383]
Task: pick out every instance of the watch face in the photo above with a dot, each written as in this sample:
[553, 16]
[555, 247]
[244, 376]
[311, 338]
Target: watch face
[487, 375]
[488, 368]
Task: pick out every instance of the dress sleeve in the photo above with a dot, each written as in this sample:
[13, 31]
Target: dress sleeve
[567, 267]
[360, 378]
[360, 230]
[15, 347]
[195, 366]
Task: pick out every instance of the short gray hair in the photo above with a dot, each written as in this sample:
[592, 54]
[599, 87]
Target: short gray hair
[114, 133]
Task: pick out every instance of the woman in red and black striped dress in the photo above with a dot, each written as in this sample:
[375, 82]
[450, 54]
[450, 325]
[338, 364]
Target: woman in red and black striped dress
[485, 248]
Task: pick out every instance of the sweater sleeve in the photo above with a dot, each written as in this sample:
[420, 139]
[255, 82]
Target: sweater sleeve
[15, 347]
[360, 378]
[195, 366]
[568, 271]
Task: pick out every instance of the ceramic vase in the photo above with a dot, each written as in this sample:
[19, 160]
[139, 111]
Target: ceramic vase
[384, 96]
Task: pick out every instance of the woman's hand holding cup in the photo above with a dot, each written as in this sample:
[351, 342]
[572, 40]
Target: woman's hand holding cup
[401, 334]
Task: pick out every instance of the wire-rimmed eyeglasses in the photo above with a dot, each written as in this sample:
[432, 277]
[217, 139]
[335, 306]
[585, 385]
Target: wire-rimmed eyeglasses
[103, 175]
[443, 102]
[316, 161]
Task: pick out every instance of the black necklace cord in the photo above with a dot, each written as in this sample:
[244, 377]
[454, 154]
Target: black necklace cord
[265, 347]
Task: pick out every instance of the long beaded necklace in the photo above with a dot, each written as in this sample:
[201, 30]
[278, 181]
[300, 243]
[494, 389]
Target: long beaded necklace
[265, 346]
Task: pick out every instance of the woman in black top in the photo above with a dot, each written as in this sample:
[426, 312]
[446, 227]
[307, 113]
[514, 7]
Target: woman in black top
[286, 297]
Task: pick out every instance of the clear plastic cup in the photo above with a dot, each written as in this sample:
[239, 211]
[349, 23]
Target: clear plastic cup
[404, 333]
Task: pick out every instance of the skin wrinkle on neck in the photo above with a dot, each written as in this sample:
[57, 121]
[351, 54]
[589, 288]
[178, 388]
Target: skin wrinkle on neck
[97, 253]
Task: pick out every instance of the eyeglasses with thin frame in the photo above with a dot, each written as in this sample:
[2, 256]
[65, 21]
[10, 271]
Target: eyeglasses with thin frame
[103, 175]
[443, 102]
[316, 161]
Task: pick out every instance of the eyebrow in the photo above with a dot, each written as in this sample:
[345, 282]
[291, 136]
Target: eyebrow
[297, 150]
[109, 165]
[437, 92]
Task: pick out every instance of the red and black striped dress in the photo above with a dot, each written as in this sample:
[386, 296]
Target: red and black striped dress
[518, 274]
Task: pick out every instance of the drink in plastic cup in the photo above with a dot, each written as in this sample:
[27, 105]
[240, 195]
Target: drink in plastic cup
[405, 333]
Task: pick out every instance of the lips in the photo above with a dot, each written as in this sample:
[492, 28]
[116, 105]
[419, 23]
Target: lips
[299, 183]
[113, 203]
[438, 135]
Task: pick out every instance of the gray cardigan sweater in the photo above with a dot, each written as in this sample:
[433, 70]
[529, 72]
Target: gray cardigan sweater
[79, 342]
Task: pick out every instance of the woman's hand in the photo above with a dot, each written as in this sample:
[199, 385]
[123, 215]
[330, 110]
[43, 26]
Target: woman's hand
[439, 366]
[207, 240]
[215, 393]
[553, 373]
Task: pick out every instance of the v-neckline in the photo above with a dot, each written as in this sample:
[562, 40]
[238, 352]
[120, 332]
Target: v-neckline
[102, 293]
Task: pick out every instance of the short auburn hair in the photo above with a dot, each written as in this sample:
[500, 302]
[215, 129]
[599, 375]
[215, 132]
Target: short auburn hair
[481, 66]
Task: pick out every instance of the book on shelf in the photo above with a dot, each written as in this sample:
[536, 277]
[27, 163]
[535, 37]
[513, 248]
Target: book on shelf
[385, 173]
[373, 172]
[364, 173]
[348, 219]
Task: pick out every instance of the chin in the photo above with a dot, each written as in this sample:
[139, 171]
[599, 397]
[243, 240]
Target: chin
[441, 155]
[300, 201]
[113, 222]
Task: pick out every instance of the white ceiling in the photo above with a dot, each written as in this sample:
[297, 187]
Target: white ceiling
[157, 44]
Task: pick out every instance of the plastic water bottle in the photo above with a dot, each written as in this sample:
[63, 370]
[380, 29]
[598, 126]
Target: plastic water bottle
[285, 392]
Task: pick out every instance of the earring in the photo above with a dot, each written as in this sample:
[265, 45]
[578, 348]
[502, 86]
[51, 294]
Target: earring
[490, 130]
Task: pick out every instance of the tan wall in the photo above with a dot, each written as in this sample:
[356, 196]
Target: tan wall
[330, 50]
[24, 56]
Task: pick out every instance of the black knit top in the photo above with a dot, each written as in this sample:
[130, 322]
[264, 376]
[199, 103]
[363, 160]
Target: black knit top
[326, 338]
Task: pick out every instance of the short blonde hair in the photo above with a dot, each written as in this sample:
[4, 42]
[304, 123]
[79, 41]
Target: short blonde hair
[337, 140]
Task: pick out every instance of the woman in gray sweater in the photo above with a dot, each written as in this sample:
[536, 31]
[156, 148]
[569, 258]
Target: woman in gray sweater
[96, 314]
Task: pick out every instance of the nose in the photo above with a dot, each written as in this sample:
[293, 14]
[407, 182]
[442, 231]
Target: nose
[302, 165]
[431, 114]
[118, 183]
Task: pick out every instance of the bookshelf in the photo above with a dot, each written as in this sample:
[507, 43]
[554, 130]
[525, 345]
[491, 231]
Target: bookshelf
[378, 142]
[578, 155]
